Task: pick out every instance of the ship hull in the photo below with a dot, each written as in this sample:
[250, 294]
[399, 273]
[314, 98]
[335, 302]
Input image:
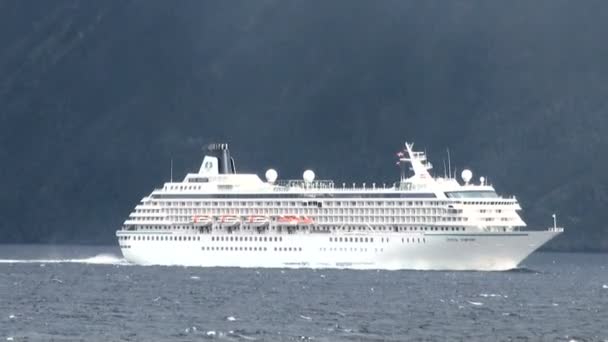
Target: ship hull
[413, 251]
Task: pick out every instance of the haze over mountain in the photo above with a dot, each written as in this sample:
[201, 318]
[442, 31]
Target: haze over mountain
[96, 98]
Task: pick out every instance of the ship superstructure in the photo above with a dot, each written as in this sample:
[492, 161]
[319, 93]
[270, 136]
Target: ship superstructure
[218, 217]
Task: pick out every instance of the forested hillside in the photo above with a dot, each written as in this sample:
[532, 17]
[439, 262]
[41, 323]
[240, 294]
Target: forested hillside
[96, 98]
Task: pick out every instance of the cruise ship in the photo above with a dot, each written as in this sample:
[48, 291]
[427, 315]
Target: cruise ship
[217, 217]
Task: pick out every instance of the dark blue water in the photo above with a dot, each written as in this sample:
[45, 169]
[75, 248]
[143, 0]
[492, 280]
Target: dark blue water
[85, 293]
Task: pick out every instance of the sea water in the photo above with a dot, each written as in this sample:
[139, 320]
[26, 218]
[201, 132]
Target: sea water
[74, 293]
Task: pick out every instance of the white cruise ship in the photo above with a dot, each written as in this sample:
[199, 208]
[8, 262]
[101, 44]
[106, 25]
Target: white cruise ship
[218, 217]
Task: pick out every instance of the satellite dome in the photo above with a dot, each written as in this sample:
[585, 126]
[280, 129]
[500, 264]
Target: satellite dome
[308, 176]
[271, 175]
[466, 175]
[482, 180]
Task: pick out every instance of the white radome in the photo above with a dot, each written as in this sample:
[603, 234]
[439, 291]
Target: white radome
[309, 176]
[466, 175]
[271, 175]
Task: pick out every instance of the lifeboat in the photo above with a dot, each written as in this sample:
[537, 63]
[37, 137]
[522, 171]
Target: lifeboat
[306, 220]
[202, 220]
[257, 220]
[287, 220]
[229, 220]
[293, 220]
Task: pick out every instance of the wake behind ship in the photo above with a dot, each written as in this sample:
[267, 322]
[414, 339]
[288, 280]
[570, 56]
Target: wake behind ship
[218, 217]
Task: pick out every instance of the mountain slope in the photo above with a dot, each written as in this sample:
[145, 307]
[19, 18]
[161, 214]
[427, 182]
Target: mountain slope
[96, 98]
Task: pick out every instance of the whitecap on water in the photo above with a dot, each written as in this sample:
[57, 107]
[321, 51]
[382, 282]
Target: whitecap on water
[195, 278]
[240, 336]
[486, 295]
[231, 318]
[9, 338]
[605, 286]
[475, 303]
[11, 317]
[306, 317]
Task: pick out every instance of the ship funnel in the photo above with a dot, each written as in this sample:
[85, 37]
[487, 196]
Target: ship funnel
[222, 153]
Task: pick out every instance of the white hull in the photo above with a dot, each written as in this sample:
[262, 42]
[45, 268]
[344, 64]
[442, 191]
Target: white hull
[391, 251]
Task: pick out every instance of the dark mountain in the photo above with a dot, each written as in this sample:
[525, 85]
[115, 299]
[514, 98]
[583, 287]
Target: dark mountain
[96, 98]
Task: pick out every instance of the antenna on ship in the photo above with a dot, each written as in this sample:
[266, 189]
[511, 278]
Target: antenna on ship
[171, 170]
[450, 164]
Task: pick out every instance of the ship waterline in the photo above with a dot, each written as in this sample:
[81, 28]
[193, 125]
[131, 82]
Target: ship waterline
[218, 218]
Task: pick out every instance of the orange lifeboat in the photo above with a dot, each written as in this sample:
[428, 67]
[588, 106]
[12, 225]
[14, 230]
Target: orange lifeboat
[229, 220]
[294, 220]
[202, 220]
[287, 220]
[306, 220]
[257, 220]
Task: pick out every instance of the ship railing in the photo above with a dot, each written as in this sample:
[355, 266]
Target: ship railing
[299, 183]
[284, 185]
